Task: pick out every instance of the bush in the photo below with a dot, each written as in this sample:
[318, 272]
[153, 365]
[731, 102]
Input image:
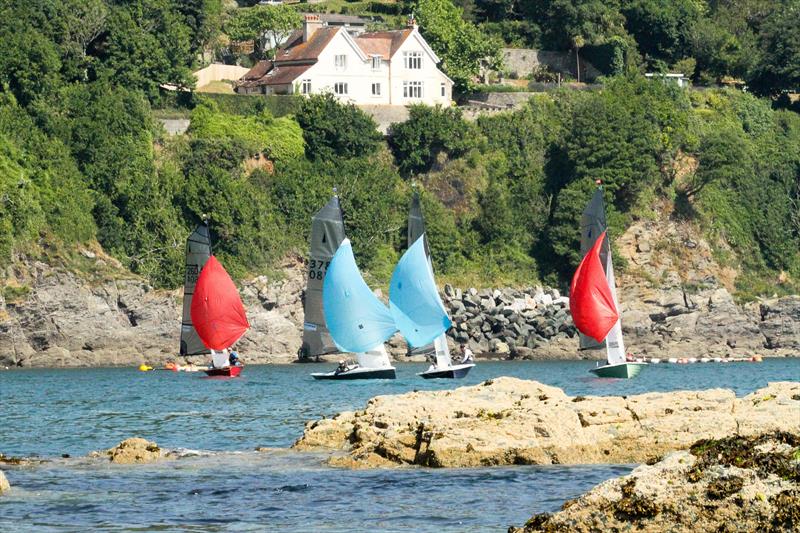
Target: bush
[428, 133]
[333, 129]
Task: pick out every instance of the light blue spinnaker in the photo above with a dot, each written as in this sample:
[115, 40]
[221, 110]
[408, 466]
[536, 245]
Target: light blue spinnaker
[356, 319]
[414, 300]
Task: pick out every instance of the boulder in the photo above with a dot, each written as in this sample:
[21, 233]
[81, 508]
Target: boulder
[134, 451]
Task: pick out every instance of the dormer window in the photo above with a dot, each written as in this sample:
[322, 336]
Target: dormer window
[340, 61]
[376, 62]
[412, 60]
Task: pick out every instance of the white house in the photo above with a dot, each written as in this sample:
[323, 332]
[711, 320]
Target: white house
[381, 68]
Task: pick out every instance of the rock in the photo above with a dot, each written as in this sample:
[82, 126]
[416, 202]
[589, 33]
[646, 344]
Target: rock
[4, 484]
[735, 484]
[779, 322]
[116, 319]
[134, 451]
[512, 421]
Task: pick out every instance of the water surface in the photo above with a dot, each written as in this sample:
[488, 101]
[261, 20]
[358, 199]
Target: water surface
[53, 412]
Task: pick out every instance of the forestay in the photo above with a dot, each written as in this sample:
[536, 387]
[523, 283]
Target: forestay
[327, 233]
[356, 319]
[414, 300]
[198, 250]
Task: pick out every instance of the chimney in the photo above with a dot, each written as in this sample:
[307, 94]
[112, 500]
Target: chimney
[412, 23]
[311, 23]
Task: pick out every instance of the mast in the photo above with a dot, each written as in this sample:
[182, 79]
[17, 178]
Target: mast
[198, 250]
[593, 224]
[416, 230]
[327, 233]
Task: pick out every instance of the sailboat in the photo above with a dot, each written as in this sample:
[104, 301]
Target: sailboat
[413, 299]
[218, 316]
[358, 322]
[327, 233]
[593, 295]
[198, 250]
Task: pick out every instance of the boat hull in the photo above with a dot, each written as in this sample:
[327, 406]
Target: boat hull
[620, 371]
[357, 373]
[227, 372]
[453, 372]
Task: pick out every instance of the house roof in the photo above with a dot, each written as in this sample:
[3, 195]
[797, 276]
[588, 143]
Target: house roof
[295, 49]
[258, 70]
[383, 43]
[295, 56]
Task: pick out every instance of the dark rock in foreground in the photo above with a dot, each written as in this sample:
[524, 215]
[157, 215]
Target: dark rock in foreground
[732, 484]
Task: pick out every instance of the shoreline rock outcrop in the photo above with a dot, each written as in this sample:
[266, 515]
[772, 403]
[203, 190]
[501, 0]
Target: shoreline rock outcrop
[512, 421]
[732, 484]
[95, 313]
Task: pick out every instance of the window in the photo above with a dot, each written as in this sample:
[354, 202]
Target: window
[305, 87]
[412, 60]
[340, 87]
[376, 89]
[412, 89]
[340, 61]
[376, 62]
[444, 90]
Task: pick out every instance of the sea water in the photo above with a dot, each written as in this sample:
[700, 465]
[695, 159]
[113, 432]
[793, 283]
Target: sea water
[224, 485]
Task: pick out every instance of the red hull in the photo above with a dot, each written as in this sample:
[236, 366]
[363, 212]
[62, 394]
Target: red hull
[228, 372]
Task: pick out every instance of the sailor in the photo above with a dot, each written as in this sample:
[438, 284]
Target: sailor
[342, 367]
[466, 354]
[233, 359]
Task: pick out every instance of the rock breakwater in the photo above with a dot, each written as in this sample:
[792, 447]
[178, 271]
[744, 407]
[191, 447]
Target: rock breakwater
[732, 484]
[510, 322]
[512, 421]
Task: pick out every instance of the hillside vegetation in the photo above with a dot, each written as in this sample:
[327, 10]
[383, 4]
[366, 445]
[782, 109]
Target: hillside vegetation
[82, 159]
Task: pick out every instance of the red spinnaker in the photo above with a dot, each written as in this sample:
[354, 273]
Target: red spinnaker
[590, 301]
[217, 311]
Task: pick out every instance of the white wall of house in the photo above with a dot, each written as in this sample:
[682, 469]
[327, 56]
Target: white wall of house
[359, 75]
[432, 80]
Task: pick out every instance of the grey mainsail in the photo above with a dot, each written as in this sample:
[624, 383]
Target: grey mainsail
[593, 223]
[327, 233]
[198, 250]
[416, 229]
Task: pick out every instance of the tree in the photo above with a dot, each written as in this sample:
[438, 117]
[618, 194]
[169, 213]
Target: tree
[462, 46]
[778, 65]
[273, 22]
[428, 132]
[333, 129]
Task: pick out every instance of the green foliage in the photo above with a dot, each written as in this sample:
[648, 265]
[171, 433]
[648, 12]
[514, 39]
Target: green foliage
[461, 45]
[254, 22]
[428, 133]
[278, 138]
[332, 129]
[778, 65]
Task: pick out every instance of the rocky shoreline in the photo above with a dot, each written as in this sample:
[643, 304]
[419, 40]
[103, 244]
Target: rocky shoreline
[509, 421]
[732, 484]
[54, 317]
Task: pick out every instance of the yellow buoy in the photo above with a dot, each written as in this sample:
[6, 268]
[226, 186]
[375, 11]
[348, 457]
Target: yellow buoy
[145, 368]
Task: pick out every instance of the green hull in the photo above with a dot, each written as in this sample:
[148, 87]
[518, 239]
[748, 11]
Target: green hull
[620, 371]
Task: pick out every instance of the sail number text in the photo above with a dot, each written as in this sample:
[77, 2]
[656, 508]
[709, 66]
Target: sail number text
[317, 268]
